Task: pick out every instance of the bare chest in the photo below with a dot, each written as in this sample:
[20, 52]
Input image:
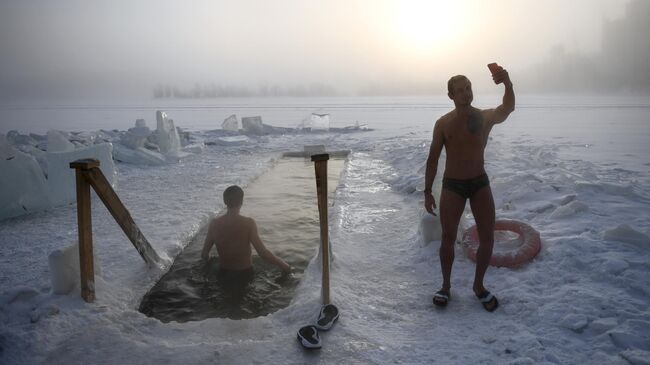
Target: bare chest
[467, 132]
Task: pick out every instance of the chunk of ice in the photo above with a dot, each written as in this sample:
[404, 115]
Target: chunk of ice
[23, 188]
[58, 142]
[137, 156]
[166, 134]
[61, 178]
[252, 125]
[230, 124]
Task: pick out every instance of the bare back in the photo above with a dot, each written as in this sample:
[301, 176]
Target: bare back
[232, 237]
[464, 137]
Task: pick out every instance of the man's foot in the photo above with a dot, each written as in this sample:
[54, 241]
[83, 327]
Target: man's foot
[488, 300]
[441, 298]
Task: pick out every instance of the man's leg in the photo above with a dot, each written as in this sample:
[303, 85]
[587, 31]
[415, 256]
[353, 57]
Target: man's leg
[451, 209]
[482, 205]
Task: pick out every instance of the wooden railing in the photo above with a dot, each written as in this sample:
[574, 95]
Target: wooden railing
[88, 174]
[320, 165]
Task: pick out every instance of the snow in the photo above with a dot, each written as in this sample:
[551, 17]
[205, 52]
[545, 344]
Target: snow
[625, 233]
[583, 299]
[64, 269]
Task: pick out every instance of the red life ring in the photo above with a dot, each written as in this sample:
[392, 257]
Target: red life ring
[526, 251]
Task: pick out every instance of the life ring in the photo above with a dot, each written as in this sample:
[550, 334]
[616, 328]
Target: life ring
[529, 247]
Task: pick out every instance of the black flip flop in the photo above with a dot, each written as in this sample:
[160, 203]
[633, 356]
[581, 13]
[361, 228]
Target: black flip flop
[441, 298]
[486, 298]
[309, 338]
[327, 316]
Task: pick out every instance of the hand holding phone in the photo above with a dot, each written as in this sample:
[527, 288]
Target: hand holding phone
[495, 70]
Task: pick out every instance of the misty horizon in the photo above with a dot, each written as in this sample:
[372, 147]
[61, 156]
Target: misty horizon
[173, 50]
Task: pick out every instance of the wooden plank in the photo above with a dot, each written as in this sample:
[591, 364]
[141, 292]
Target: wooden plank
[84, 223]
[106, 193]
[84, 163]
[320, 165]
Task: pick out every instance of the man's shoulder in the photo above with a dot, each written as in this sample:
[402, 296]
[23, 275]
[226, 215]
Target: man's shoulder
[447, 117]
[484, 112]
[247, 220]
[444, 120]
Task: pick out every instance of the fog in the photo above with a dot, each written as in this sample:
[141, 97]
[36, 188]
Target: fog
[148, 49]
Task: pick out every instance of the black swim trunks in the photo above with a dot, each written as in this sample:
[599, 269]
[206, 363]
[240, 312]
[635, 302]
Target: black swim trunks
[466, 187]
[236, 276]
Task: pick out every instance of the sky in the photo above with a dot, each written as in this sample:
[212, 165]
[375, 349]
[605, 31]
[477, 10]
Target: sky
[127, 47]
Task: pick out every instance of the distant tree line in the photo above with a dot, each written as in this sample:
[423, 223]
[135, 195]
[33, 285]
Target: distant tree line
[220, 91]
[622, 64]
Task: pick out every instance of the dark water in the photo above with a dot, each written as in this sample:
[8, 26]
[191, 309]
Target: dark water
[283, 202]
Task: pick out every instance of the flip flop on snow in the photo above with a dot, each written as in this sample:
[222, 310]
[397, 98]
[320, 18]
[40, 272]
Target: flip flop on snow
[309, 338]
[327, 316]
[441, 298]
[489, 301]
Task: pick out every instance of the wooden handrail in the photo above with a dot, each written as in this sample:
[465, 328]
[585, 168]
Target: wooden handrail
[88, 174]
[320, 165]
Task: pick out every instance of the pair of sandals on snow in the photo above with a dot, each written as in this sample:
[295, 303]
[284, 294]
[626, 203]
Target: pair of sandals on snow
[487, 299]
[308, 335]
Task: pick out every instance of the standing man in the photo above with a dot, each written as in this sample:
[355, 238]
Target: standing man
[464, 133]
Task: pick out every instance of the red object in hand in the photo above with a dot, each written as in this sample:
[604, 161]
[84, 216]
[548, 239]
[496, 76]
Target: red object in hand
[494, 68]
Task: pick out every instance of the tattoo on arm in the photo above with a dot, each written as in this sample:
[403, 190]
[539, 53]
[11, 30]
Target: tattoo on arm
[474, 122]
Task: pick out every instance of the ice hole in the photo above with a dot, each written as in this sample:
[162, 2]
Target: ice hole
[283, 203]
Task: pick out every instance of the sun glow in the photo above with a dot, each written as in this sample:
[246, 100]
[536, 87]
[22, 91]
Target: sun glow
[427, 26]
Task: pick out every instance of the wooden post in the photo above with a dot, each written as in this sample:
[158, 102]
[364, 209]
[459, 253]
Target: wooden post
[84, 222]
[122, 216]
[320, 165]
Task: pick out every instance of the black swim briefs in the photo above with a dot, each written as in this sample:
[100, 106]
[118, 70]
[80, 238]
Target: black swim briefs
[466, 187]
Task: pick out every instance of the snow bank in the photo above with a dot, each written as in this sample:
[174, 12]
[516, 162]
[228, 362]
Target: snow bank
[36, 182]
[64, 268]
[23, 188]
[61, 178]
[625, 233]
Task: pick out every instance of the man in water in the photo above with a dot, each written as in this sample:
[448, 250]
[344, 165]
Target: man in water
[464, 133]
[233, 235]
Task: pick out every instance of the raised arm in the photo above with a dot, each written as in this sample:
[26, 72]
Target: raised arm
[264, 253]
[432, 166]
[209, 241]
[500, 113]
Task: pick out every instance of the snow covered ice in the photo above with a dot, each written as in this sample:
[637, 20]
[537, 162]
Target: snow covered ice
[583, 300]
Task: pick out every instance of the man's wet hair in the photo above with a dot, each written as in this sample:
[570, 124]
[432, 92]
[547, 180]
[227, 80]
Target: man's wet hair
[453, 80]
[233, 196]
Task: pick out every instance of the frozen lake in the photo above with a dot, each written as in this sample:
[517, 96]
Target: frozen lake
[607, 128]
[576, 168]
